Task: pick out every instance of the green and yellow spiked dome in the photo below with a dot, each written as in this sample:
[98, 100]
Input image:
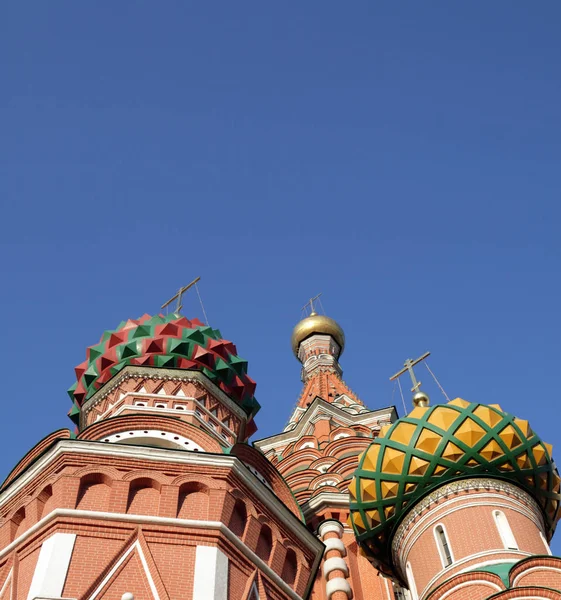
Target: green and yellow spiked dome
[434, 445]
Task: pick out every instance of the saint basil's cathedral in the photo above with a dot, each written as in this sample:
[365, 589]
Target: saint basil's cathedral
[156, 493]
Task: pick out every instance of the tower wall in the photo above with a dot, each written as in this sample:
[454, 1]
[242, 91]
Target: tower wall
[465, 526]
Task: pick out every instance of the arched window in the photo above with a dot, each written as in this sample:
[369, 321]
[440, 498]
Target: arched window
[144, 497]
[411, 582]
[443, 546]
[193, 501]
[290, 567]
[504, 530]
[94, 492]
[264, 543]
[238, 519]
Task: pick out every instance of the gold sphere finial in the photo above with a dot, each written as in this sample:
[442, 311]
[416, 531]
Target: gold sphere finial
[421, 399]
[319, 324]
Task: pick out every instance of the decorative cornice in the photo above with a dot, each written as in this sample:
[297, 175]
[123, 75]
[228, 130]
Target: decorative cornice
[319, 404]
[160, 374]
[162, 455]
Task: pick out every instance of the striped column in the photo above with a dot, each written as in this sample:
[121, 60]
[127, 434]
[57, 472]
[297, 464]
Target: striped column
[335, 569]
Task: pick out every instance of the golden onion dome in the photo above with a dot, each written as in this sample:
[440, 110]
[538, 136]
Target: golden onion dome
[319, 324]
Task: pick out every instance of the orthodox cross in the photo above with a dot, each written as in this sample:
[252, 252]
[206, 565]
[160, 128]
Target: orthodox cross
[179, 295]
[310, 303]
[408, 366]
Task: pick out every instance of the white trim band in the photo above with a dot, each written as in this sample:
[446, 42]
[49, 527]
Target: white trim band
[330, 527]
[335, 544]
[335, 563]
[338, 584]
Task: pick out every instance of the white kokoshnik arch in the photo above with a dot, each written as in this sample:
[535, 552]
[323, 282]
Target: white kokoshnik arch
[153, 437]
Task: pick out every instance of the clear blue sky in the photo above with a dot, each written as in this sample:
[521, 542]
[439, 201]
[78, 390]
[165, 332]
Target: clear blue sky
[403, 158]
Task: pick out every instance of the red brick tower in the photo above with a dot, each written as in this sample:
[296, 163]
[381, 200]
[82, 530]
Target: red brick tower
[317, 454]
[157, 494]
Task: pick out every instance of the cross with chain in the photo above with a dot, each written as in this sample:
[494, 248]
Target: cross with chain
[408, 367]
[310, 303]
[179, 295]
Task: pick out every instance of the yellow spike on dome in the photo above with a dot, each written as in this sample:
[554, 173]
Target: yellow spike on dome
[371, 458]
[472, 462]
[403, 432]
[469, 432]
[496, 407]
[393, 461]
[383, 430]
[389, 511]
[389, 488]
[439, 470]
[510, 437]
[373, 518]
[410, 487]
[491, 451]
[418, 412]
[428, 441]
[506, 466]
[443, 417]
[358, 522]
[549, 449]
[539, 454]
[524, 427]
[352, 489]
[452, 452]
[459, 402]
[488, 415]
[542, 480]
[555, 482]
[418, 466]
[523, 461]
[368, 490]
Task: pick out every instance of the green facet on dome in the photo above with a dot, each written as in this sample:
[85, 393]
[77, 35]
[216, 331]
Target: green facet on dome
[170, 341]
[434, 445]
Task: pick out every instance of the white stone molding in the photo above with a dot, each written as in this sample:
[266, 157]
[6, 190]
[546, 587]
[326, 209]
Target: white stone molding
[335, 544]
[333, 564]
[155, 435]
[134, 547]
[329, 527]
[492, 585]
[531, 570]
[338, 584]
[52, 566]
[6, 583]
[211, 574]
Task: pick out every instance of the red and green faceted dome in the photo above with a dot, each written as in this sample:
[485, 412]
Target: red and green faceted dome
[432, 446]
[170, 341]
